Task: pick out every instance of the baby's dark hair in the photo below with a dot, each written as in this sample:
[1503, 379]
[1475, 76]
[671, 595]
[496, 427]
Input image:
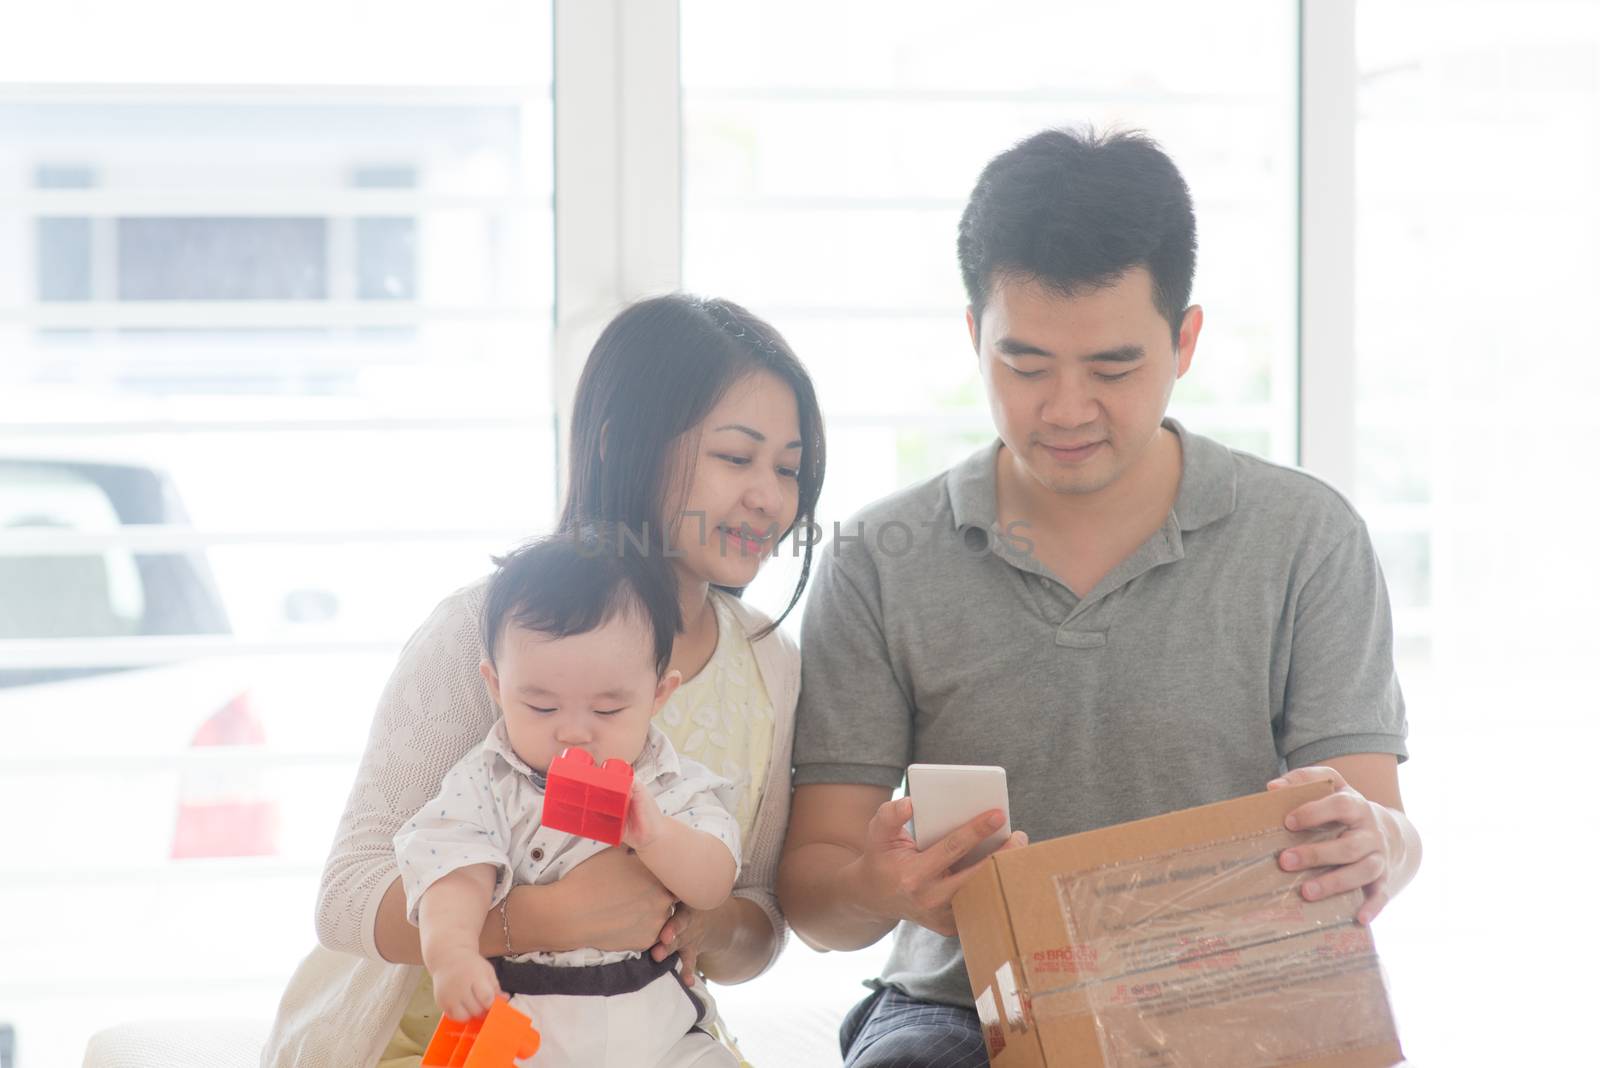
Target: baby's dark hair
[571, 583]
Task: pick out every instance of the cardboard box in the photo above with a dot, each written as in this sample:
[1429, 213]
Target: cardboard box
[1173, 942]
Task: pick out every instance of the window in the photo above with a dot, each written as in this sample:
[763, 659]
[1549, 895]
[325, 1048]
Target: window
[276, 316]
[1475, 224]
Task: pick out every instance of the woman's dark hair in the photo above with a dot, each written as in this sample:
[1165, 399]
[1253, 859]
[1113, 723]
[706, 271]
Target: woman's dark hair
[1075, 210]
[572, 582]
[655, 373]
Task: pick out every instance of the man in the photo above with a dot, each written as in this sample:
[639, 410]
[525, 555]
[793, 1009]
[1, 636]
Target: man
[1130, 617]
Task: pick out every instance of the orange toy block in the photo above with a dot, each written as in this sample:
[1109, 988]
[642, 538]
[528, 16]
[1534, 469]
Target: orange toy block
[494, 1040]
[580, 798]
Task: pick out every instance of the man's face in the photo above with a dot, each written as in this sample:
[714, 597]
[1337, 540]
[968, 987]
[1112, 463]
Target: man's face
[1078, 385]
[596, 691]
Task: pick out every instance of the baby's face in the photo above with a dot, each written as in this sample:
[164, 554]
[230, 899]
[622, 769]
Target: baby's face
[596, 691]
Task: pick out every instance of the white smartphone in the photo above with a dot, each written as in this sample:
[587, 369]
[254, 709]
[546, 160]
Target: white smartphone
[944, 796]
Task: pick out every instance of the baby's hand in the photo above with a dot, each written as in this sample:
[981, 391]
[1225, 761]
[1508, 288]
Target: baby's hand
[644, 820]
[465, 986]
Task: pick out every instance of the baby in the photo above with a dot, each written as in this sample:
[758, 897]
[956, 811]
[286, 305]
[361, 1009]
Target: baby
[577, 637]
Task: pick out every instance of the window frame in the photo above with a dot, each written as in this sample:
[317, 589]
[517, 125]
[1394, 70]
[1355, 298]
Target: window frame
[1326, 337]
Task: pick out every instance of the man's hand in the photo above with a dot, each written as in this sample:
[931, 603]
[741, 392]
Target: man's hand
[1371, 849]
[896, 881]
[465, 986]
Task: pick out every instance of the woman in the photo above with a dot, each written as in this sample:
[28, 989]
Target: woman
[694, 421]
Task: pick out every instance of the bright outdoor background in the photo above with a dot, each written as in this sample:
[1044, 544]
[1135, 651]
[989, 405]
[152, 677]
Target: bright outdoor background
[277, 300]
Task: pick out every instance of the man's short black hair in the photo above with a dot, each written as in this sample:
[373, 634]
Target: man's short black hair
[571, 583]
[1074, 210]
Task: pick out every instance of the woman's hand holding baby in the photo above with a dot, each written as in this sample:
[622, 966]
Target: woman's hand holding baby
[689, 933]
[615, 902]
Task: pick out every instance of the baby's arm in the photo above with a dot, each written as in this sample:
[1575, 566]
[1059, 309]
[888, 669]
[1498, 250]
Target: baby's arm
[454, 863]
[697, 867]
[450, 916]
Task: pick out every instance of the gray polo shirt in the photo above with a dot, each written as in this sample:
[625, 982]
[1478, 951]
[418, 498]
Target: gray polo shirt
[1250, 634]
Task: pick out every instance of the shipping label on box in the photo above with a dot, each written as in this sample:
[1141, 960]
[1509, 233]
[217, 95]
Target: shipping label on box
[1212, 948]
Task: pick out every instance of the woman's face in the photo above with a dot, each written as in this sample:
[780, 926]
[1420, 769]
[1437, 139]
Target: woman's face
[743, 493]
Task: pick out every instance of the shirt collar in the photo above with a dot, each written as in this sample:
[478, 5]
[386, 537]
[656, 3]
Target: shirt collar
[971, 485]
[658, 757]
[1207, 488]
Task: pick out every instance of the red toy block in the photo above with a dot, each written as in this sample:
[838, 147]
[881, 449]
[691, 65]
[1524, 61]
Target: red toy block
[495, 1040]
[582, 799]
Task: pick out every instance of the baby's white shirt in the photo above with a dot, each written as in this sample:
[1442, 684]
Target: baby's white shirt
[488, 811]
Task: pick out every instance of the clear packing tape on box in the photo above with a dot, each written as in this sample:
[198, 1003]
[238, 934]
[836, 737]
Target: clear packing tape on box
[1204, 956]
